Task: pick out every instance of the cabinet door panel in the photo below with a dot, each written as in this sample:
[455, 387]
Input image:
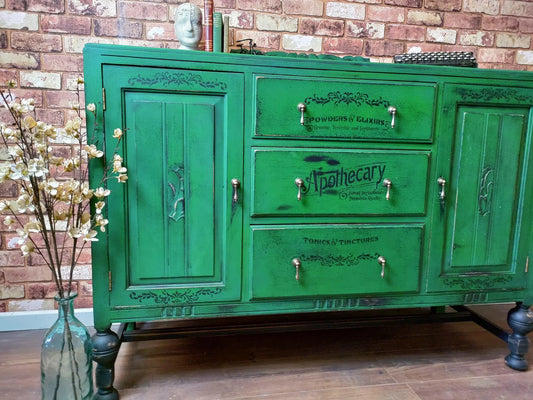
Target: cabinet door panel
[175, 235]
[487, 175]
[174, 187]
[484, 219]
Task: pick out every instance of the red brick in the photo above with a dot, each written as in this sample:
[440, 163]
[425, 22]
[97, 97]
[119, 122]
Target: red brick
[3, 40]
[83, 302]
[66, 24]
[8, 189]
[10, 258]
[6, 75]
[273, 6]
[144, 10]
[36, 42]
[321, 27]
[383, 48]
[224, 4]
[51, 117]
[385, 14]
[28, 274]
[526, 25]
[465, 21]
[46, 290]
[60, 98]
[62, 62]
[513, 67]
[443, 5]
[491, 23]
[2, 278]
[17, 5]
[501, 56]
[406, 32]
[343, 46]
[34, 94]
[46, 6]
[405, 3]
[3, 306]
[85, 288]
[120, 28]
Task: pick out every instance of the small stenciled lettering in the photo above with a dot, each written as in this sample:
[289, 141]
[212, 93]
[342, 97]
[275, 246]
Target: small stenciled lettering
[360, 119]
[321, 181]
[340, 242]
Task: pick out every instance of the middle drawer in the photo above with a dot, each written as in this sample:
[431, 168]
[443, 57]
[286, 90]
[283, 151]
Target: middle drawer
[339, 182]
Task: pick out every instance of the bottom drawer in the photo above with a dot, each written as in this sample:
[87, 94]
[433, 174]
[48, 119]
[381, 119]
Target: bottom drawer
[323, 260]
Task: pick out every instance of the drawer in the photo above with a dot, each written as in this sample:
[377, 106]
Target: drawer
[344, 109]
[335, 260]
[338, 182]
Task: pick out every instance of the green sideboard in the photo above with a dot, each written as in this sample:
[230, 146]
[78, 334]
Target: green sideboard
[279, 184]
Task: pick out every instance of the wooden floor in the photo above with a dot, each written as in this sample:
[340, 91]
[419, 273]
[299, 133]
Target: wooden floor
[438, 361]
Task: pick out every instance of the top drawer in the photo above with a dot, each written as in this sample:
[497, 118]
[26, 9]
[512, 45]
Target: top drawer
[344, 109]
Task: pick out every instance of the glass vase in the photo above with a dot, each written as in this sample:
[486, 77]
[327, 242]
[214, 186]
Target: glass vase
[66, 357]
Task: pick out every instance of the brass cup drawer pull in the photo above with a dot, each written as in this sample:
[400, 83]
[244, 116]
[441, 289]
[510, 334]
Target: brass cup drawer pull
[297, 264]
[300, 185]
[235, 183]
[382, 261]
[301, 107]
[387, 183]
[392, 111]
[442, 183]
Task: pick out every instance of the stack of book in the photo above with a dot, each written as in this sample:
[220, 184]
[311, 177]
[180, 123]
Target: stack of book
[216, 29]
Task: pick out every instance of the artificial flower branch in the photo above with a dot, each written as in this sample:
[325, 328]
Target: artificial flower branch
[52, 212]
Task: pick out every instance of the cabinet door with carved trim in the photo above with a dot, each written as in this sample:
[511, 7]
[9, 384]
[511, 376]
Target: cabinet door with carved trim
[482, 193]
[176, 232]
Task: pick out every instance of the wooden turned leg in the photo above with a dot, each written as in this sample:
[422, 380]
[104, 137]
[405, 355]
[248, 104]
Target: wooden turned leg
[106, 345]
[520, 319]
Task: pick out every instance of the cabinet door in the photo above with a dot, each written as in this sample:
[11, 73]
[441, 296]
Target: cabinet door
[174, 232]
[482, 215]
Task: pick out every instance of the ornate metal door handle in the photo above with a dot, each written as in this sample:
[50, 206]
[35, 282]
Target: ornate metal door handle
[236, 184]
[302, 107]
[382, 261]
[392, 111]
[297, 264]
[300, 185]
[387, 183]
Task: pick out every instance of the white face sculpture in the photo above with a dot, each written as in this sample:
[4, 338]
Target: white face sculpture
[188, 26]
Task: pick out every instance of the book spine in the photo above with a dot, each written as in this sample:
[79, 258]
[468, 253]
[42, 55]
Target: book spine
[208, 25]
[217, 32]
[225, 38]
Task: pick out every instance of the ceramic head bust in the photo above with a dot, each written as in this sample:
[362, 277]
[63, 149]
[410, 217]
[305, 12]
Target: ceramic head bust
[188, 26]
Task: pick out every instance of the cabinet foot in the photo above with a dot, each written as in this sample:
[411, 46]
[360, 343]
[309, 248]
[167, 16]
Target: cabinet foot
[520, 319]
[106, 345]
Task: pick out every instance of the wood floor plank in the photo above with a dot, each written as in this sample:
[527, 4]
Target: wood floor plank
[405, 362]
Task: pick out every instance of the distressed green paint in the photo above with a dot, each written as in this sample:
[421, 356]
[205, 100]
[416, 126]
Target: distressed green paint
[350, 109]
[338, 182]
[335, 260]
[180, 246]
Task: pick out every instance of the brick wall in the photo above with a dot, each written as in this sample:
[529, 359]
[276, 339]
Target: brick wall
[41, 43]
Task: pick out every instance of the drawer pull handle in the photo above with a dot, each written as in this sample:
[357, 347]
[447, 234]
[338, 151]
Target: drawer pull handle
[382, 261]
[297, 264]
[442, 182]
[300, 185]
[392, 111]
[387, 183]
[301, 107]
[236, 184]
